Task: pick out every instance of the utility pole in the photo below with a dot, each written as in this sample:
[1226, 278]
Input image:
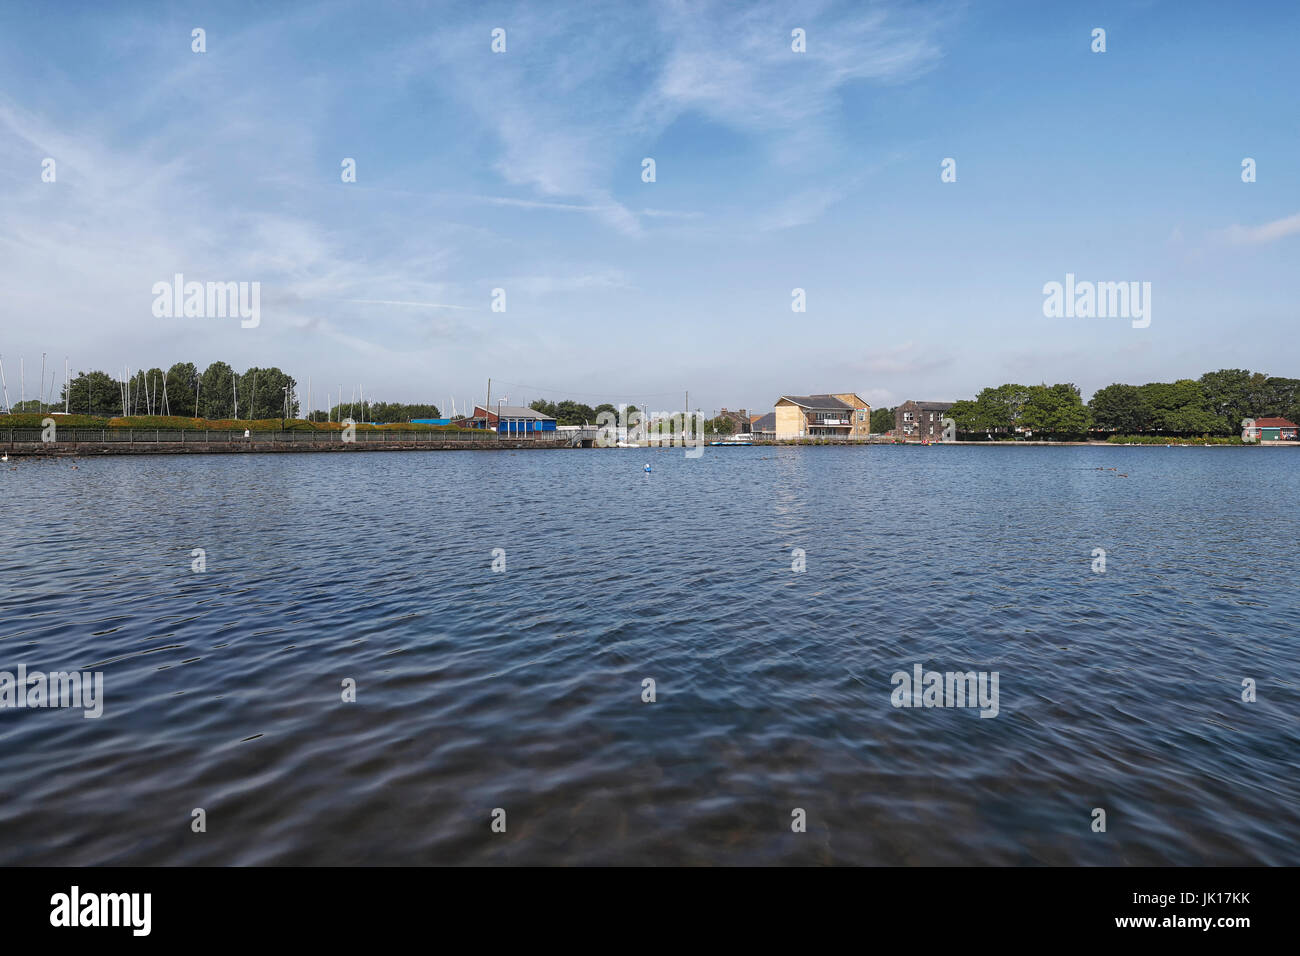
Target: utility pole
[489, 403]
[67, 386]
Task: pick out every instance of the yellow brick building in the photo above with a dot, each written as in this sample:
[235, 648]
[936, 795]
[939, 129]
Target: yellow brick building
[840, 415]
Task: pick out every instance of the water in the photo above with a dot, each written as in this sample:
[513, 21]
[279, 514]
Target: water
[522, 690]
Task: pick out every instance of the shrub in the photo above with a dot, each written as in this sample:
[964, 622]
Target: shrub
[1174, 440]
[33, 420]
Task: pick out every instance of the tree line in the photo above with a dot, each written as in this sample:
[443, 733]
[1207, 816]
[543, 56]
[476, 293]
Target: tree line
[569, 412]
[381, 413]
[1214, 404]
[218, 392]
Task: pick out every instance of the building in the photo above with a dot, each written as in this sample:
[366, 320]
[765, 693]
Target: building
[1274, 429]
[844, 415]
[920, 420]
[739, 419]
[763, 426]
[513, 420]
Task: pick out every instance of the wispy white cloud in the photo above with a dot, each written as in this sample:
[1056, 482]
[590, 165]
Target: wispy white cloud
[559, 282]
[416, 305]
[1268, 232]
[616, 78]
[800, 209]
[907, 358]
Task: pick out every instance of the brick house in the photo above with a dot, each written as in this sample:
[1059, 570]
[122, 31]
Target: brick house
[739, 419]
[920, 420]
[1274, 429]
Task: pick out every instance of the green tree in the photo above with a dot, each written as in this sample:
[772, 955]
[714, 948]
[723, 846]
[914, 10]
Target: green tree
[1055, 411]
[1181, 408]
[262, 394]
[882, 420]
[93, 393]
[146, 392]
[181, 381]
[216, 390]
[1231, 394]
[996, 409]
[1121, 408]
[386, 413]
[569, 412]
[968, 416]
[1281, 398]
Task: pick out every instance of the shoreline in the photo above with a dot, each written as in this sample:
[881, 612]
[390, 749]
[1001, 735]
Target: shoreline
[97, 449]
[59, 449]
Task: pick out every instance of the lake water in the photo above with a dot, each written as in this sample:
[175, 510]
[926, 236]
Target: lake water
[522, 689]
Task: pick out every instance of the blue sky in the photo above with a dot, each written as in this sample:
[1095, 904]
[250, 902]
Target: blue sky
[775, 170]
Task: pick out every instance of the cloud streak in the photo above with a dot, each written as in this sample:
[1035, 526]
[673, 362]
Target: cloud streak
[1268, 232]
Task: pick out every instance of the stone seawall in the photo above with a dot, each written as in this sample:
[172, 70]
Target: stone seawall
[83, 449]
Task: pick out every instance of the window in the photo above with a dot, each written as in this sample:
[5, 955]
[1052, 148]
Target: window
[907, 416]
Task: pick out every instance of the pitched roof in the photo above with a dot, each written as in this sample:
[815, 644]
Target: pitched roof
[515, 411]
[815, 401]
[1274, 423]
[765, 421]
[934, 406]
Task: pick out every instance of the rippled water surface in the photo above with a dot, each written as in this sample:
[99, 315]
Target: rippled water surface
[522, 690]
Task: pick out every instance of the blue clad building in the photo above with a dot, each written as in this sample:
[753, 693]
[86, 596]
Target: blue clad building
[510, 420]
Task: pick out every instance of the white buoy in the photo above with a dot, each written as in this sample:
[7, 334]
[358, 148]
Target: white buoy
[647, 467]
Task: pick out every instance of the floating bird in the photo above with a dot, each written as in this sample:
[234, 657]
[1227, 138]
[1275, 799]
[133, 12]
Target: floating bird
[6, 457]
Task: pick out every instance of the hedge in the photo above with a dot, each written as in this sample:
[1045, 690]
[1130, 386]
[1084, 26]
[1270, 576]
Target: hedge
[176, 423]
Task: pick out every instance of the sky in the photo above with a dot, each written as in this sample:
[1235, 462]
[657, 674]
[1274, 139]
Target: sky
[775, 170]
